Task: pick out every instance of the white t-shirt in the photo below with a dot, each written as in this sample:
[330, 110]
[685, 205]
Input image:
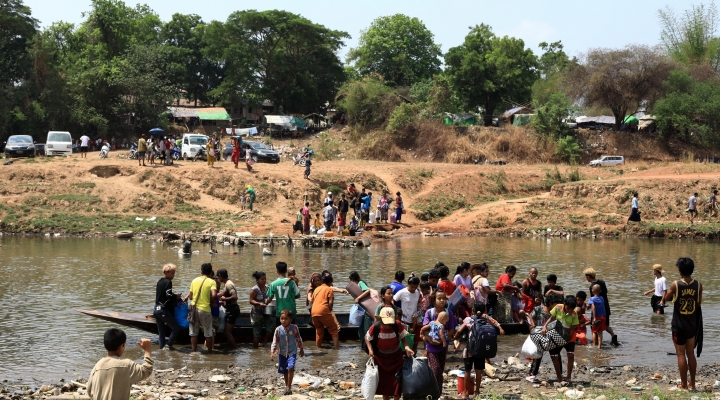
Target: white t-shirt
[479, 283]
[660, 286]
[691, 202]
[84, 140]
[409, 303]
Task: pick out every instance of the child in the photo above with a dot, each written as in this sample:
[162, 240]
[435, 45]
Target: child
[598, 315]
[656, 301]
[341, 223]
[522, 305]
[470, 359]
[241, 201]
[552, 287]
[581, 308]
[538, 318]
[435, 332]
[286, 342]
[292, 276]
[317, 223]
[112, 376]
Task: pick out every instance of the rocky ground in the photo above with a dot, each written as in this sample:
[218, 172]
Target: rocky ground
[506, 381]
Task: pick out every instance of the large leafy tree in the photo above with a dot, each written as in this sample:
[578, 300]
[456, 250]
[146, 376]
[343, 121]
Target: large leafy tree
[399, 48]
[625, 81]
[17, 27]
[487, 70]
[551, 66]
[278, 56]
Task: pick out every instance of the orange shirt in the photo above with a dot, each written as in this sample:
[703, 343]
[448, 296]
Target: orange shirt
[321, 301]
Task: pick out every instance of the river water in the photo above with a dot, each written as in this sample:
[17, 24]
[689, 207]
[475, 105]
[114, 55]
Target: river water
[44, 279]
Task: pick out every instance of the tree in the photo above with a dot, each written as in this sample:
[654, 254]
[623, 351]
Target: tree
[550, 118]
[625, 81]
[398, 48]
[690, 109]
[692, 37]
[551, 66]
[278, 56]
[486, 69]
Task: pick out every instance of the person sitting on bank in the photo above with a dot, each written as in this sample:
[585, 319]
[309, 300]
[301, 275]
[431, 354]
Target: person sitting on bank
[112, 376]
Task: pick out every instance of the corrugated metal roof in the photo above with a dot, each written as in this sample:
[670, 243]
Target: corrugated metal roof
[517, 110]
[279, 119]
[604, 119]
[208, 113]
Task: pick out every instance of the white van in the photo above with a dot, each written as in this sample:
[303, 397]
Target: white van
[58, 143]
[191, 143]
[608, 161]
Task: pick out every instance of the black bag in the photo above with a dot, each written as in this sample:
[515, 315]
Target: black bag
[417, 380]
[556, 336]
[483, 340]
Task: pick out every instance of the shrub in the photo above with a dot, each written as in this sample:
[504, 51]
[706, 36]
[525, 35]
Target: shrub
[568, 149]
[367, 101]
[327, 148]
[335, 190]
[401, 116]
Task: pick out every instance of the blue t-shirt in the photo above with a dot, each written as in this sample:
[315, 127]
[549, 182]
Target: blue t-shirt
[599, 306]
[396, 287]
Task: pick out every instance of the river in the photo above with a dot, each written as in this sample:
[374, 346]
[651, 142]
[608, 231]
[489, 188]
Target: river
[44, 279]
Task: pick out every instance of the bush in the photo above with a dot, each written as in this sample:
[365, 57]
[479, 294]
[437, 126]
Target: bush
[327, 148]
[568, 149]
[550, 117]
[335, 190]
[401, 116]
[367, 102]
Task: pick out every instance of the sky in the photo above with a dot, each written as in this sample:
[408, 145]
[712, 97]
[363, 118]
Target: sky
[580, 25]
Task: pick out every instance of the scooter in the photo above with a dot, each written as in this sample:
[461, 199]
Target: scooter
[105, 150]
[302, 157]
[176, 153]
[201, 154]
[132, 153]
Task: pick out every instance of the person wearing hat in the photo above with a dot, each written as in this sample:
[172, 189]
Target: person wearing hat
[328, 199]
[383, 342]
[656, 301]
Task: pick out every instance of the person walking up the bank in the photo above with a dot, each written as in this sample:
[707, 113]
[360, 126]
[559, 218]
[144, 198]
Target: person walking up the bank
[657, 301]
[634, 212]
[712, 204]
[590, 276]
[687, 329]
[692, 207]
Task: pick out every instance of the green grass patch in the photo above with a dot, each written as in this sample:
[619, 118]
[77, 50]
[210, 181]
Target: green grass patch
[439, 206]
[74, 223]
[83, 185]
[30, 161]
[335, 190]
[76, 198]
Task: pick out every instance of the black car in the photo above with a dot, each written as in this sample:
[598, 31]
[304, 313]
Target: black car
[20, 146]
[261, 152]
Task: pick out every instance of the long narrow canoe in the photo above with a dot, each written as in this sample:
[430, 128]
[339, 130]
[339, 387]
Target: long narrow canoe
[243, 329]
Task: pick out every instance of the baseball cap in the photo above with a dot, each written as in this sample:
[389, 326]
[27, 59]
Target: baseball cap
[387, 315]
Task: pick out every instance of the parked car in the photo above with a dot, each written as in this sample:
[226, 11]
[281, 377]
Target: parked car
[20, 146]
[261, 152]
[608, 161]
[191, 143]
[59, 143]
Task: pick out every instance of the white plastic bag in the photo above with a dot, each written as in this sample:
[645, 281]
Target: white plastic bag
[531, 350]
[370, 380]
[357, 314]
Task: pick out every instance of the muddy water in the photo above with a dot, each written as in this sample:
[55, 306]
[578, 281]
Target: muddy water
[43, 279]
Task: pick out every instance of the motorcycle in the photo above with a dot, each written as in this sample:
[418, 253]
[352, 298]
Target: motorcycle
[302, 157]
[132, 153]
[105, 150]
[176, 153]
[201, 154]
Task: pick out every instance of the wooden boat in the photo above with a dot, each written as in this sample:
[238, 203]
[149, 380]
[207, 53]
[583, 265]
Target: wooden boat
[242, 331]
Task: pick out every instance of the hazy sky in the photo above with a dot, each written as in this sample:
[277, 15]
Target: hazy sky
[580, 25]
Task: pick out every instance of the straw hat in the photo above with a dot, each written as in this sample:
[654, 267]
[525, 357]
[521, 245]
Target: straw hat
[658, 267]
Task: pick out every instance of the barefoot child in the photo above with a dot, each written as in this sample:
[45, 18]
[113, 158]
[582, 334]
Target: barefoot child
[597, 322]
[286, 342]
[435, 332]
[112, 376]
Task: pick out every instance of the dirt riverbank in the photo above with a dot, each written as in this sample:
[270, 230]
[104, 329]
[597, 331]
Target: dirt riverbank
[344, 382]
[94, 197]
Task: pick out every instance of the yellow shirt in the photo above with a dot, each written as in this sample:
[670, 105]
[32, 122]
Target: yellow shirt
[201, 292]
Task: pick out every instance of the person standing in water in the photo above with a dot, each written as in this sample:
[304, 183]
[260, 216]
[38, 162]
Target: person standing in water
[656, 301]
[686, 294]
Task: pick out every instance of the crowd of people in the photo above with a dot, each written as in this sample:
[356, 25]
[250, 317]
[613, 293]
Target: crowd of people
[428, 307]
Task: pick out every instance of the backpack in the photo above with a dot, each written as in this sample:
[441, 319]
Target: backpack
[483, 340]
[376, 332]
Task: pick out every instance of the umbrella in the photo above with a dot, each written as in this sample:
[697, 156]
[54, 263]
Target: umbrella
[630, 120]
[156, 131]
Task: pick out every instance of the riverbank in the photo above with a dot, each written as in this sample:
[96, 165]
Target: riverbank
[343, 382]
[96, 198]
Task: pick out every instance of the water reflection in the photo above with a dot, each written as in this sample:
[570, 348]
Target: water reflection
[45, 278]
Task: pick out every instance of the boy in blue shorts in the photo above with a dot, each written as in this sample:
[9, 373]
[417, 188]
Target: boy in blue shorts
[599, 316]
[286, 342]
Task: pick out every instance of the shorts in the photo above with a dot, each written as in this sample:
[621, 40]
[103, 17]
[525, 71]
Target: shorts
[83, 149]
[655, 304]
[232, 313]
[262, 325]
[478, 361]
[599, 325]
[141, 154]
[204, 322]
[680, 338]
[284, 364]
[569, 348]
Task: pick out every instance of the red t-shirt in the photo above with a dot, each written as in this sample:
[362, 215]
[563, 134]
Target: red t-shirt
[529, 305]
[387, 340]
[448, 287]
[504, 280]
